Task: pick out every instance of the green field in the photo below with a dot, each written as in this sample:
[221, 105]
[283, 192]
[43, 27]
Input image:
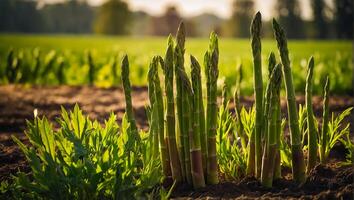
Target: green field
[331, 57]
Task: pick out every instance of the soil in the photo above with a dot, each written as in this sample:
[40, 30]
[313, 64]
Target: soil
[331, 181]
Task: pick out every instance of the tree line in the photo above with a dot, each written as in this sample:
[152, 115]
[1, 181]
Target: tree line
[114, 18]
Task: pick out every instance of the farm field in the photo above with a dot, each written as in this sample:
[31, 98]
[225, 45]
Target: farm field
[96, 117]
[331, 57]
[20, 101]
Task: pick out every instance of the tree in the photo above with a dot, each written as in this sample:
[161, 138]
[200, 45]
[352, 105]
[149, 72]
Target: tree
[319, 18]
[242, 13]
[289, 15]
[167, 23]
[72, 16]
[19, 16]
[113, 18]
[344, 18]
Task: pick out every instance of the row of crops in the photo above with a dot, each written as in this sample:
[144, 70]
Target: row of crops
[191, 139]
[46, 65]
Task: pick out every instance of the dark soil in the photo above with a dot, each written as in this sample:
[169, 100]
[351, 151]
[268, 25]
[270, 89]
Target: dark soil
[324, 182]
[18, 102]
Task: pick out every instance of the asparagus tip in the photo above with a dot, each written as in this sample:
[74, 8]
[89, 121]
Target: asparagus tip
[327, 83]
[256, 24]
[181, 35]
[311, 63]
[170, 40]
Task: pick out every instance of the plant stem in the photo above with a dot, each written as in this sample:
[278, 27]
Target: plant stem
[91, 68]
[325, 118]
[133, 130]
[298, 164]
[153, 112]
[312, 132]
[258, 88]
[170, 114]
[213, 73]
[266, 102]
[198, 104]
[271, 142]
[179, 64]
[165, 160]
[187, 130]
[277, 162]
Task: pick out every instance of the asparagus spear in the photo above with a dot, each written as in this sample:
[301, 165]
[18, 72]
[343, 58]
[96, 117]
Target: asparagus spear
[258, 89]
[160, 110]
[91, 68]
[197, 140]
[170, 114]
[312, 132]
[187, 123]
[213, 73]
[197, 87]
[129, 108]
[298, 164]
[179, 64]
[237, 96]
[271, 142]
[271, 65]
[325, 121]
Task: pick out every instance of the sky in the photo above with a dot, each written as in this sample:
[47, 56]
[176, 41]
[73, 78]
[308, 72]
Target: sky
[188, 8]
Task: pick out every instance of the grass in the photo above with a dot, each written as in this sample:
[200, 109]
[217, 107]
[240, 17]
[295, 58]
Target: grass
[331, 57]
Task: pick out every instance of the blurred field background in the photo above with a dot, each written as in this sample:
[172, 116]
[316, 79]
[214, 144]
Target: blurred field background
[332, 57]
[61, 33]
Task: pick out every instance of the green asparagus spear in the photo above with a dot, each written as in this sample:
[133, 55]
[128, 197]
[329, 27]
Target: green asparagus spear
[298, 163]
[312, 132]
[258, 88]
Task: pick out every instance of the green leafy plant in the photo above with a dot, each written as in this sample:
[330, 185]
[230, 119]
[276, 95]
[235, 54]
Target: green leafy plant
[337, 132]
[85, 160]
[231, 158]
[349, 145]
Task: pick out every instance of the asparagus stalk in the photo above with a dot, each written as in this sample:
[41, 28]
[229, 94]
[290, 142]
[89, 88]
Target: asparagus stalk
[129, 108]
[198, 104]
[187, 130]
[194, 169]
[179, 65]
[325, 121]
[298, 164]
[258, 88]
[161, 129]
[9, 66]
[239, 80]
[37, 65]
[60, 71]
[170, 114]
[271, 142]
[213, 73]
[114, 71]
[207, 123]
[266, 102]
[237, 95]
[127, 94]
[91, 73]
[312, 132]
[277, 162]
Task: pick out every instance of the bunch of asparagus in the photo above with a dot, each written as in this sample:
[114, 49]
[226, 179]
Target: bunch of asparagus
[185, 132]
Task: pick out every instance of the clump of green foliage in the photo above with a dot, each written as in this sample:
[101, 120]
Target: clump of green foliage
[83, 159]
